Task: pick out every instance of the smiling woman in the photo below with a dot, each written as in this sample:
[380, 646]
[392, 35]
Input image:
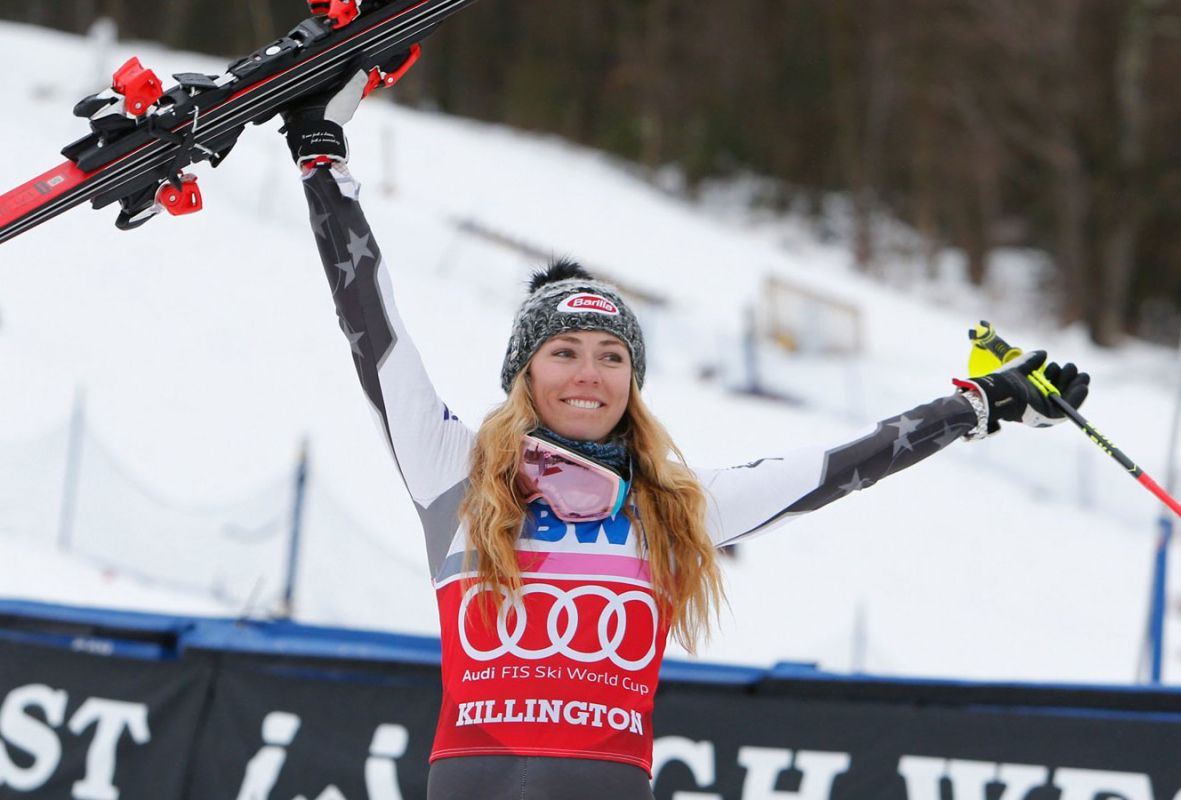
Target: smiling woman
[567, 538]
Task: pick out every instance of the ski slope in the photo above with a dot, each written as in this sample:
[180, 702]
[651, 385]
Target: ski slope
[207, 349]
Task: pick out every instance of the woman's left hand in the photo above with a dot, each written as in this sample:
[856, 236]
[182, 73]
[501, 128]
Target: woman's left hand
[1013, 396]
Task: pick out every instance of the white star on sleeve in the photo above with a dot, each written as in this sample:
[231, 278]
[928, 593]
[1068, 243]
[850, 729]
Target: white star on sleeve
[353, 336]
[350, 272]
[318, 221]
[905, 427]
[855, 484]
[359, 248]
[948, 436]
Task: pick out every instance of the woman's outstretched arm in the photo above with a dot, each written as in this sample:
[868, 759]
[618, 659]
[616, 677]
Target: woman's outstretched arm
[753, 498]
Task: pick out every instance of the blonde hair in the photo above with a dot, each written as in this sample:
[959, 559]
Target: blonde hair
[669, 503]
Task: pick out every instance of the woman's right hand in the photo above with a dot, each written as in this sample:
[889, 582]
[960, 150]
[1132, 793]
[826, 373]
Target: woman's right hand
[315, 124]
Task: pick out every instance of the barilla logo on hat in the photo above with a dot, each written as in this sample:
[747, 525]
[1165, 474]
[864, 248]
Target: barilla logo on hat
[577, 303]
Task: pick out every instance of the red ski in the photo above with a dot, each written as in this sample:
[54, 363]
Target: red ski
[142, 136]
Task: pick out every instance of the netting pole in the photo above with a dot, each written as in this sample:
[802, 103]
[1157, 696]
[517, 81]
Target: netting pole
[301, 479]
[65, 528]
[750, 351]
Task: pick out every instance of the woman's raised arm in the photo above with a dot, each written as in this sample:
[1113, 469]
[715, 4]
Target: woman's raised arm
[430, 446]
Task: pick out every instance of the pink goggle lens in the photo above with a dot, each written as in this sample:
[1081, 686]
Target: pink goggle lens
[577, 489]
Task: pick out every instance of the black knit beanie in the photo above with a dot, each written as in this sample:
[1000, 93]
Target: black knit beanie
[564, 297]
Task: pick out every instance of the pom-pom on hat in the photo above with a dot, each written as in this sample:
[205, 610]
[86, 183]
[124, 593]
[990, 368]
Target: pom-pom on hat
[564, 297]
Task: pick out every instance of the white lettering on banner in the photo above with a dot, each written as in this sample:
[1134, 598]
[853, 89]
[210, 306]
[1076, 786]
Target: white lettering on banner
[278, 732]
[28, 733]
[968, 779]
[925, 776]
[381, 768]
[262, 771]
[763, 765]
[110, 718]
[19, 728]
[697, 756]
[331, 793]
[562, 624]
[571, 712]
[1087, 784]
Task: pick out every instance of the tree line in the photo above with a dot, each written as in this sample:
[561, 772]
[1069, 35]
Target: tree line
[980, 124]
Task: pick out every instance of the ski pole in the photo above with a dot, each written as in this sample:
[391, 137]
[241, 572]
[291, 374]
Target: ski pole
[984, 338]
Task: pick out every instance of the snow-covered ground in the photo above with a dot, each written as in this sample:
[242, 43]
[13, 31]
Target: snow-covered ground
[207, 349]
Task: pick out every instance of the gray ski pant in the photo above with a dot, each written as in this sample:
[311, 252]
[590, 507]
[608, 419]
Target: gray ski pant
[534, 778]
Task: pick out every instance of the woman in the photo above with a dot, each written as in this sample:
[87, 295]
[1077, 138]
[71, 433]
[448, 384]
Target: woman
[566, 537]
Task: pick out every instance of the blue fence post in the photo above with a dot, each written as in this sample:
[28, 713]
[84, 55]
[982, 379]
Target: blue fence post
[1158, 610]
[1159, 595]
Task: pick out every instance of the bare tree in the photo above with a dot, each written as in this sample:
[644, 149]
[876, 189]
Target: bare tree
[863, 84]
[175, 18]
[1117, 254]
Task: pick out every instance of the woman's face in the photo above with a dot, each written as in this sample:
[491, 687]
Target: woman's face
[580, 382]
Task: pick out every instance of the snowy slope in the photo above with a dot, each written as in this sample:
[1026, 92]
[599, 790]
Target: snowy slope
[208, 348]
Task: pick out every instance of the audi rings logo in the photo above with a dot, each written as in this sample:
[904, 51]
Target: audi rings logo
[562, 625]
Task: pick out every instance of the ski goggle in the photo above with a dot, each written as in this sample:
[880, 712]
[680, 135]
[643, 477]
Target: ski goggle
[577, 488]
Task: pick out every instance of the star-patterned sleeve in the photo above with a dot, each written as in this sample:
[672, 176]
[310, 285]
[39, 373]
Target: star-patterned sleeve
[429, 444]
[753, 498]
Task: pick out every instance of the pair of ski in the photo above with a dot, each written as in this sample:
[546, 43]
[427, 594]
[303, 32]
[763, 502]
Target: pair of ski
[143, 137]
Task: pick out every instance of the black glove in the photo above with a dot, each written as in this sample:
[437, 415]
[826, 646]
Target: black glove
[315, 127]
[1012, 396]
